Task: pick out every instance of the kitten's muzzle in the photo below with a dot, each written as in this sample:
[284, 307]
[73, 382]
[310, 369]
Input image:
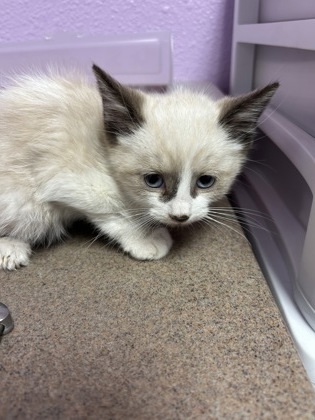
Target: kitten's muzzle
[182, 218]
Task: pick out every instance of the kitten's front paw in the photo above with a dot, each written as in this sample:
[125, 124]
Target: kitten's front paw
[153, 247]
[13, 253]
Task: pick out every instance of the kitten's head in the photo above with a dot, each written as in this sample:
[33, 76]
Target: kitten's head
[174, 154]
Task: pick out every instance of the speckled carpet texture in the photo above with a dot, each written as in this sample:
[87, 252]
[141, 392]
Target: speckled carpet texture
[196, 335]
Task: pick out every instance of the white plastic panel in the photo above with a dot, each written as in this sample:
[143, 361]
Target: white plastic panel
[283, 186]
[135, 59]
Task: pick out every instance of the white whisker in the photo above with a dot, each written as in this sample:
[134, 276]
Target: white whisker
[242, 221]
[90, 242]
[212, 219]
[236, 209]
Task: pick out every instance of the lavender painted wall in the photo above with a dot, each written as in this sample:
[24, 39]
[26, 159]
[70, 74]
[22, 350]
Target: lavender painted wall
[201, 28]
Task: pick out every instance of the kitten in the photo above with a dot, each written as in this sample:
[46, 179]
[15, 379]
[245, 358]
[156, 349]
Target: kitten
[129, 162]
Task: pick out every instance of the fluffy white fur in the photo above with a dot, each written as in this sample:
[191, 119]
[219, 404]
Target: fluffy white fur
[58, 163]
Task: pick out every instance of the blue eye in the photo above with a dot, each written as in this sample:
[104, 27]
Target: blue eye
[205, 181]
[154, 180]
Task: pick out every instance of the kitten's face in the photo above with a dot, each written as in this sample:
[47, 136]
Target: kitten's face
[179, 161]
[175, 154]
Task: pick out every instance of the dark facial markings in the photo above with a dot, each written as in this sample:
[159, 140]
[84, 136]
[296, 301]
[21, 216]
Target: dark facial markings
[171, 182]
[193, 187]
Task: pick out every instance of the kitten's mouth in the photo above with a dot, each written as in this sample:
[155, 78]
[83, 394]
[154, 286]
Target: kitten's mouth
[170, 224]
[178, 223]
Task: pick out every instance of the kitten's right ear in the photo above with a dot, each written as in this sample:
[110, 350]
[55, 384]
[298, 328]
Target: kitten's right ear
[239, 115]
[121, 105]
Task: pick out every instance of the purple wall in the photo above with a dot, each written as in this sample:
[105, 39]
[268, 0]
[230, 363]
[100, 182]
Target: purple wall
[201, 28]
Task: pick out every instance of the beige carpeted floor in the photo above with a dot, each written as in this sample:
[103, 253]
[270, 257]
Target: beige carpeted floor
[194, 336]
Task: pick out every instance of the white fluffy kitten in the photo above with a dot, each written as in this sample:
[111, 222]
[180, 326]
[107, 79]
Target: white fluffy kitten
[128, 162]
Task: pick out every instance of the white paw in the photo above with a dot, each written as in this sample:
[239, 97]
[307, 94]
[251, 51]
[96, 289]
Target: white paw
[13, 253]
[152, 247]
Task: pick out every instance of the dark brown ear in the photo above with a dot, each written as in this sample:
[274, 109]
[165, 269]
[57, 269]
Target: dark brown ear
[239, 115]
[121, 105]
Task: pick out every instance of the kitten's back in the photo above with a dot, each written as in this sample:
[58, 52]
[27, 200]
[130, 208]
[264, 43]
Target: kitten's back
[50, 125]
[55, 111]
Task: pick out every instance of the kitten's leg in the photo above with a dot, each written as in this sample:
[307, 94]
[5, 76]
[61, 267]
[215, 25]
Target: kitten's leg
[142, 246]
[25, 222]
[96, 196]
[13, 253]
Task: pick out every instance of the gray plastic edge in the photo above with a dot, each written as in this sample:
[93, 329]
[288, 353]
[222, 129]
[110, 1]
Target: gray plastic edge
[293, 34]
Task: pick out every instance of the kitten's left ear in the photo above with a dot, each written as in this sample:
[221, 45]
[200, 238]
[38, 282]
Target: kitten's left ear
[239, 115]
[121, 105]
